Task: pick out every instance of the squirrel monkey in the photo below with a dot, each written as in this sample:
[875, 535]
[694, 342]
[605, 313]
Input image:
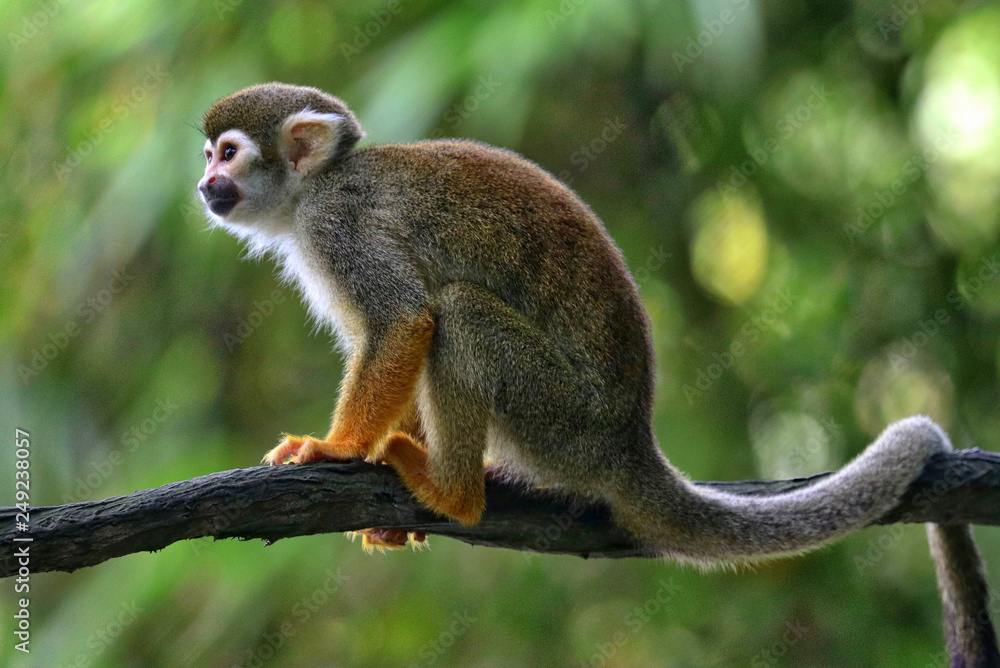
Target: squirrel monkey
[484, 310]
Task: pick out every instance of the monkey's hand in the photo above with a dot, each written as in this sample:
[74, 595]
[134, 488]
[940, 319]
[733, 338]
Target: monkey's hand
[376, 394]
[302, 449]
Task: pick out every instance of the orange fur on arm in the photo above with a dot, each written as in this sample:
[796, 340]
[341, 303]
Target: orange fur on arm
[378, 389]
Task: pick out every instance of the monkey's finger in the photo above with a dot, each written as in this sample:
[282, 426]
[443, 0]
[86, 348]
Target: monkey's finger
[289, 447]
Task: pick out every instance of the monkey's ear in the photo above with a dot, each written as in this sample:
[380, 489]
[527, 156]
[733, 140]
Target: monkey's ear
[309, 139]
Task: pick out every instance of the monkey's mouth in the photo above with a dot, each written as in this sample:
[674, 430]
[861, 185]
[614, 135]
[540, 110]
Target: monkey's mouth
[222, 205]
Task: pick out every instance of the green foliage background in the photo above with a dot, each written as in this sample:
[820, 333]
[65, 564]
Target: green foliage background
[847, 277]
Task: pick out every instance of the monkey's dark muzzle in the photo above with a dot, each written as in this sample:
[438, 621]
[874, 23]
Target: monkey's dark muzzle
[220, 194]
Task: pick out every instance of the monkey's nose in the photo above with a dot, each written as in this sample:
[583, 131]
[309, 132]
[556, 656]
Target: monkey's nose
[220, 194]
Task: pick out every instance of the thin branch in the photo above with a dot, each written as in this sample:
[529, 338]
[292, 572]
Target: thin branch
[284, 501]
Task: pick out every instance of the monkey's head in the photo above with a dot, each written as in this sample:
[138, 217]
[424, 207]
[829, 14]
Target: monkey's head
[263, 143]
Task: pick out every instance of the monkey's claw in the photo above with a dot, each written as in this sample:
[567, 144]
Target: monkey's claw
[303, 449]
[388, 539]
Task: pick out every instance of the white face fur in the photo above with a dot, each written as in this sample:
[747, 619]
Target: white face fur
[257, 204]
[234, 156]
[254, 203]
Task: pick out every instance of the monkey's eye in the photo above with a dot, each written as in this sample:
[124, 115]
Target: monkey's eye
[208, 156]
[228, 153]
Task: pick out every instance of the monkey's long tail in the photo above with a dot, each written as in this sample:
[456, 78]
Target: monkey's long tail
[705, 526]
[972, 642]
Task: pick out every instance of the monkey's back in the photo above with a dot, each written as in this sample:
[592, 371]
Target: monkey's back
[488, 216]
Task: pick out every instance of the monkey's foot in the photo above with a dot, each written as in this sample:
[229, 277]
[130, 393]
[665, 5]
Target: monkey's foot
[303, 449]
[388, 539]
[464, 503]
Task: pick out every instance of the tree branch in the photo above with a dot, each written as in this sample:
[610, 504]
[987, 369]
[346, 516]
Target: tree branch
[284, 501]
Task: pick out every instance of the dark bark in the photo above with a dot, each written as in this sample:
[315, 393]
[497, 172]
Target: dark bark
[285, 501]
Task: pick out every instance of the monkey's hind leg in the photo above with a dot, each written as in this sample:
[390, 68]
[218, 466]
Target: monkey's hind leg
[448, 475]
[460, 497]
[482, 354]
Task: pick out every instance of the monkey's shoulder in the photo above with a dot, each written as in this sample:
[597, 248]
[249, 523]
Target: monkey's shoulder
[442, 151]
[461, 164]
